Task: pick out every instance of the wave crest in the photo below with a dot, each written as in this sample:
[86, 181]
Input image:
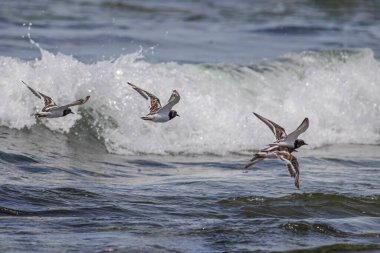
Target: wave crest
[337, 90]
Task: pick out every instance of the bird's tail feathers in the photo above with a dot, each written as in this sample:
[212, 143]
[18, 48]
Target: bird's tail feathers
[146, 118]
[38, 115]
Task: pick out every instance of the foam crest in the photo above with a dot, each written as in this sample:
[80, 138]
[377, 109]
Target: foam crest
[338, 91]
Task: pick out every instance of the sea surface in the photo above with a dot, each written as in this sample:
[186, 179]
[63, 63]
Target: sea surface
[103, 180]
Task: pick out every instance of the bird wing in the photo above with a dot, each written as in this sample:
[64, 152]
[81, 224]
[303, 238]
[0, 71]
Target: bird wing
[77, 102]
[32, 90]
[155, 104]
[268, 152]
[278, 131]
[49, 103]
[293, 166]
[173, 100]
[256, 158]
[300, 129]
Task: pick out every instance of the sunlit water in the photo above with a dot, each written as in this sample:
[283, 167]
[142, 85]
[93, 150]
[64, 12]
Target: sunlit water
[103, 180]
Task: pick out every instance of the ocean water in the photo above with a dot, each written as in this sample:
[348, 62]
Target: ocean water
[103, 180]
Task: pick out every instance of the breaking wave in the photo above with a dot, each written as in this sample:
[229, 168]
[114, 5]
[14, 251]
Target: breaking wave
[337, 90]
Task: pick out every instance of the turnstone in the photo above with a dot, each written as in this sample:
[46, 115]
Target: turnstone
[290, 141]
[51, 109]
[158, 113]
[282, 147]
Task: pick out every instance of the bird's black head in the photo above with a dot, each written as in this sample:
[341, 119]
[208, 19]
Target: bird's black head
[67, 111]
[173, 114]
[298, 143]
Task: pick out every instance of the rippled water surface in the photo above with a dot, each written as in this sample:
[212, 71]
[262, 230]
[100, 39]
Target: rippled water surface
[81, 199]
[103, 180]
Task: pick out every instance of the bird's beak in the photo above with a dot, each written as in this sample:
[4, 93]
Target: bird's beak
[72, 112]
[178, 115]
[306, 143]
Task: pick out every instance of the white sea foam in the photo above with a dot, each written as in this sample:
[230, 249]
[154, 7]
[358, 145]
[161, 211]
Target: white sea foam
[338, 91]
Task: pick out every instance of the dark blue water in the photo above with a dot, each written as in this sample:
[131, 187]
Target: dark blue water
[187, 31]
[103, 180]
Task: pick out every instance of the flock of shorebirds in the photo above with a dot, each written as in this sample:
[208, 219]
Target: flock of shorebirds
[282, 148]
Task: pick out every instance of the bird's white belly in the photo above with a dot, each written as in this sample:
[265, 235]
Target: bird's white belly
[282, 144]
[161, 118]
[52, 114]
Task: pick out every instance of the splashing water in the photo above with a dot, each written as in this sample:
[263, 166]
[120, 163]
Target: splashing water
[337, 90]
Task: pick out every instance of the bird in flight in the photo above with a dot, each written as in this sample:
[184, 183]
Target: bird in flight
[282, 147]
[51, 109]
[157, 113]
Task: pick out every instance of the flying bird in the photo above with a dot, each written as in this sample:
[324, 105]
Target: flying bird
[51, 109]
[290, 141]
[157, 113]
[282, 147]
